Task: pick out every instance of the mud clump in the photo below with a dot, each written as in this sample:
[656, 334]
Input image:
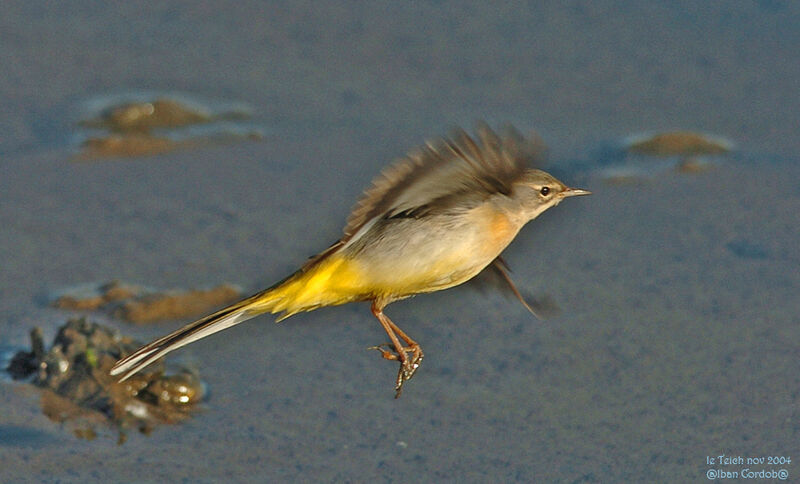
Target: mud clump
[638, 159]
[147, 115]
[136, 304]
[77, 388]
[146, 125]
[679, 143]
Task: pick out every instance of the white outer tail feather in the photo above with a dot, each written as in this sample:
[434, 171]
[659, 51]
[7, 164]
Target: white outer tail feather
[155, 350]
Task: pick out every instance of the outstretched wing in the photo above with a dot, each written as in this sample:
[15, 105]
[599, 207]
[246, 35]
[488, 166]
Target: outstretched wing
[442, 169]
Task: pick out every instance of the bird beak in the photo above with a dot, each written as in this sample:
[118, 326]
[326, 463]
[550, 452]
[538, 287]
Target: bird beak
[574, 192]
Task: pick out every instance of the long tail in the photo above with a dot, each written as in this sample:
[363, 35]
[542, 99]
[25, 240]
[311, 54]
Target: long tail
[213, 323]
[323, 281]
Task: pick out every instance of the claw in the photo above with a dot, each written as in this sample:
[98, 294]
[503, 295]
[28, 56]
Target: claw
[410, 360]
[387, 353]
[409, 356]
[408, 367]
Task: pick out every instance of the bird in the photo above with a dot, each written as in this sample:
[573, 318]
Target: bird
[430, 221]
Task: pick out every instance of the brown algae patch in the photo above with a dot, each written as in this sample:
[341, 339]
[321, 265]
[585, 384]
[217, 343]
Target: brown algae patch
[175, 304]
[89, 297]
[137, 304]
[678, 143]
[151, 124]
[77, 389]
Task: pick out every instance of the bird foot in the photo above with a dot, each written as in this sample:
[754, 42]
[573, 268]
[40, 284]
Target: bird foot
[410, 358]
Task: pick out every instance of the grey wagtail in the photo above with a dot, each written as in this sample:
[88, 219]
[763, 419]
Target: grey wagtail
[432, 220]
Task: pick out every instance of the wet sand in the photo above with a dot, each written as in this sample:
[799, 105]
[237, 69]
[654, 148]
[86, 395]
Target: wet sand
[678, 337]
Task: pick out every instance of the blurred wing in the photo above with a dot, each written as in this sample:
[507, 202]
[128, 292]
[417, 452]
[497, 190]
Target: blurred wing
[496, 276]
[442, 169]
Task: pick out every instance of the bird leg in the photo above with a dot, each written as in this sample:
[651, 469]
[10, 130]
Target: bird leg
[409, 356]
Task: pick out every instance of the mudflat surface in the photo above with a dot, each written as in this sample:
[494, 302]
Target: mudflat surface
[678, 334]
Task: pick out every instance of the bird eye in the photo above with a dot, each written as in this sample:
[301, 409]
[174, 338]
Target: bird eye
[544, 191]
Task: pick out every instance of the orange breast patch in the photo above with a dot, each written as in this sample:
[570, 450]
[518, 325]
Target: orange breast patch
[501, 231]
[498, 229]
